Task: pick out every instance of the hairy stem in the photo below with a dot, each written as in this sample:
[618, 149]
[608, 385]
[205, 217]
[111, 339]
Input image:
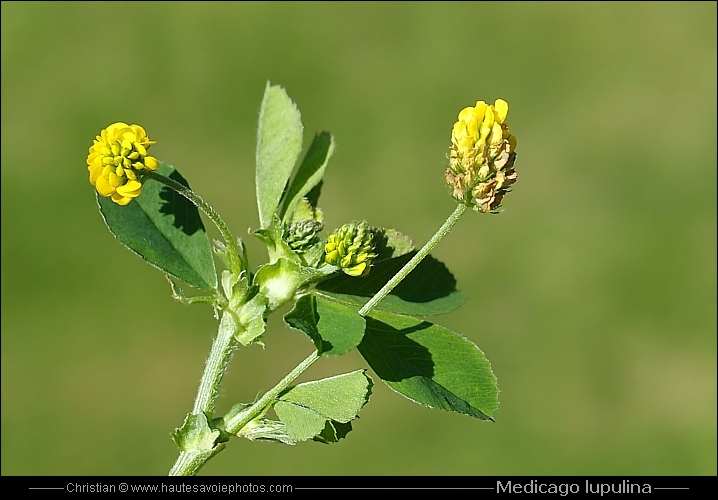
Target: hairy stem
[216, 365]
[409, 266]
[236, 423]
[190, 462]
[234, 262]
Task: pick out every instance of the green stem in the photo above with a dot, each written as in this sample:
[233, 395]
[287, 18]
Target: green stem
[409, 266]
[234, 262]
[190, 462]
[216, 365]
[234, 424]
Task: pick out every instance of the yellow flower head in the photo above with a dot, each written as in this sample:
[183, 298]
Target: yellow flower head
[351, 248]
[482, 156]
[116, 159]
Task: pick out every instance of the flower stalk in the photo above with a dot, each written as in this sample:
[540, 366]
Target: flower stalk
[415, 260]
[233, 260]
[234, 424]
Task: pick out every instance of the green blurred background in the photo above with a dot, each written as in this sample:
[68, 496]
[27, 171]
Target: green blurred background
[593, 294]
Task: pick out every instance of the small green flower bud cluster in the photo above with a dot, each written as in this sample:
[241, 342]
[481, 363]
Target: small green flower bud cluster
[351, 248]
[301, 235]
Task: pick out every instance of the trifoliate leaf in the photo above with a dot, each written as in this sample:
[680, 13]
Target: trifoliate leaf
[334, 328]
[306, 408]
[390, 244]
[310, 172]
[279, 143]
[430, 364]
[301, 423]
[165, 229]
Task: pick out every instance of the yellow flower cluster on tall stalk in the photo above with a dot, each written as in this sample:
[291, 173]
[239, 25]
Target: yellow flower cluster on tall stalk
[482, 156]
[116, 161]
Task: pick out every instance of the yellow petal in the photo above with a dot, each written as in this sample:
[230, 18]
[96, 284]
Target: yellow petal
[151, 162]
[95, 173]
[332, 257]
[357, 270]
[481, 108]
[114, 180]
[362, 257]
[497, 134]
[139, 132]
[103, 186]
[117, 126]
[502, 109]
[121, 200]
[130, 188]
[466, 114]
[93, 158]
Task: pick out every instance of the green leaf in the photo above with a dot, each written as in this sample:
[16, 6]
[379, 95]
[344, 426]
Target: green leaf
[310, 172]
[165, 229]
[279, 143]
[390, 244]
[429, 289]
[195, 434]
[334, 328]
[301, 423]
[305, 210]
[313, 195]
[430, 364]
[306, 408]
[337, 398]
[333, 432]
